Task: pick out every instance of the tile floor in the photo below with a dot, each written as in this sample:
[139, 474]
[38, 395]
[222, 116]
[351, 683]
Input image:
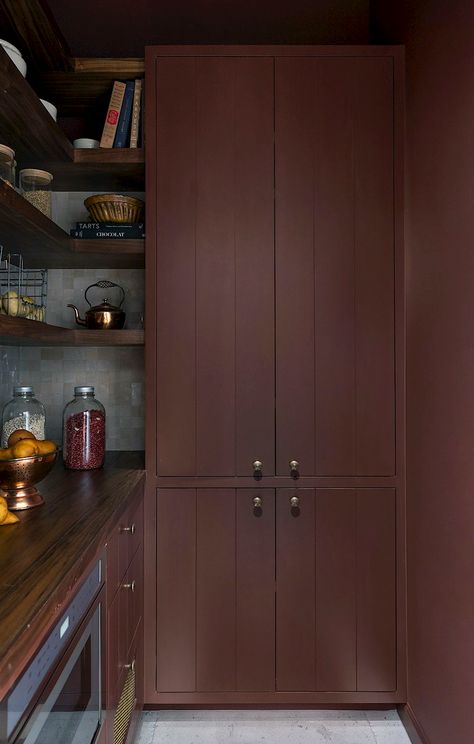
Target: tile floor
[272, 727]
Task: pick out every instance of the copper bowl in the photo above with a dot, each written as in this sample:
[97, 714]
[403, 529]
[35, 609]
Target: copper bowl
[19, 476]
[114, 208]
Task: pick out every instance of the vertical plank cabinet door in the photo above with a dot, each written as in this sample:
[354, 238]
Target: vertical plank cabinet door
[334, 265]
[216, 590]
[215, 265]
[335, 573]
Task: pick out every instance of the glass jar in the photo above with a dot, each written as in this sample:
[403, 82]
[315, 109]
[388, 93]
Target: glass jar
[7, 160]
[23, 411]
[35, 186]
[84, 431]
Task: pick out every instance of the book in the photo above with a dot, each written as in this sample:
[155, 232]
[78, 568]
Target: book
[141, 128]
[107, 225]
[137, 101]
[123, 127]
[97, 230]
[113, 114]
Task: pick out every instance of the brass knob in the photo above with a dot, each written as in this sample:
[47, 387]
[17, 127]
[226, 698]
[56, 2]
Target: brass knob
[295, 502]
[257, 502]
[131, 529]
[294, 466]
[132, 586]
[130, 666]
[257, 466]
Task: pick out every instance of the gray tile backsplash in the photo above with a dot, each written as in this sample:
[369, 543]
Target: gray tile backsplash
[116, 373]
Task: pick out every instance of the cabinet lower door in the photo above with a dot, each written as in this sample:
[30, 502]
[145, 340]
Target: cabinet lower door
[335, 573]
[215, 590]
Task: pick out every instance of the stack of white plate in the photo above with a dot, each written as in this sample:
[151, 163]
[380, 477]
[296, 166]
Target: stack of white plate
[15, 56]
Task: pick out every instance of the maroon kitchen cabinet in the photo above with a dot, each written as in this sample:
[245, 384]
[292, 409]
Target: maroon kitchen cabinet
[216, 590]
[335, 589]
[334, 259]
[214, 266]
[274, 336]
[324, 557]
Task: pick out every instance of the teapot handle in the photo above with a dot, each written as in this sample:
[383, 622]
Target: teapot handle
[104, 284]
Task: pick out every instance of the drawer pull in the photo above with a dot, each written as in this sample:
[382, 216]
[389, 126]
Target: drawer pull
[130, 666]
[257, 502]
[294, 502]
[257, 467]
[132, 586]
[131, 529]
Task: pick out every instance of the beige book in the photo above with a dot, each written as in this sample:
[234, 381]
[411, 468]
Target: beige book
[113, 114]
[137, 95]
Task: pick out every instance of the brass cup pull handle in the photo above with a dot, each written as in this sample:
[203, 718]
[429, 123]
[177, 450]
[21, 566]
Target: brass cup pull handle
[132, 586]
[294, 502]
[257, 467]
[132, 529]
[294, 466]
[257, 502]
[130, 666]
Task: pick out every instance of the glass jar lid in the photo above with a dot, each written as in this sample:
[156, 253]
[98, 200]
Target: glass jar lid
[36, 176]
[23, 390]
[83, 390]
[6, 153]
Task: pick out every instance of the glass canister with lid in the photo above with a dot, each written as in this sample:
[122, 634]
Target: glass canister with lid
[84, 430]
[35, 186]
[23, 411]
[7, 164]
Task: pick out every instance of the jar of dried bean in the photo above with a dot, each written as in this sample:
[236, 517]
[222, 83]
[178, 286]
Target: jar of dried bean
[84, 431]
[23, 411]
[35, 186]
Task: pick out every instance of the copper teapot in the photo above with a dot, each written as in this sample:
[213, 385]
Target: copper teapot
[104, 316]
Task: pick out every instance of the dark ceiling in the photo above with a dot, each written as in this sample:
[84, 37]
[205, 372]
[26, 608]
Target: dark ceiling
[122, 28]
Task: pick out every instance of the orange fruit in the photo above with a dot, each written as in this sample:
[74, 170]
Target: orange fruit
[6, 454]
[18, 435]
[45, 446]
[25, 448]
[10, 519]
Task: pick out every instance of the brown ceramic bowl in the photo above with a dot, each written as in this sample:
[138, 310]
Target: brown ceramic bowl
[114, 208]
[19, 476]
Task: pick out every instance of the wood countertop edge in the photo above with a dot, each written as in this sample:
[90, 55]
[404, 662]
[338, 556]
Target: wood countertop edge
[40, 614]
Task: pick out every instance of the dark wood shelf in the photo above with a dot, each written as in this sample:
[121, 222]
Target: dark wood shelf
[43, 244]
[25, 125]
[77, 91]
[39, 142]
[119, 169]
[24, 332]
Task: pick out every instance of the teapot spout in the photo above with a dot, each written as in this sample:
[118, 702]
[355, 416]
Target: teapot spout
[79, 320]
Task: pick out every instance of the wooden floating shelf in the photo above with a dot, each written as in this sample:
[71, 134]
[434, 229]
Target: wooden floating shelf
[25, 125]
[45, 245]
[24, 332]
[101, 169]
[39, 142]
[76, 91]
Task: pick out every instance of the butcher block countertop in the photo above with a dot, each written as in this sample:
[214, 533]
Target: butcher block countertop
[43, 557]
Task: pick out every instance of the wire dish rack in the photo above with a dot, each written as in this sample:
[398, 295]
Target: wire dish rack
[23, 291]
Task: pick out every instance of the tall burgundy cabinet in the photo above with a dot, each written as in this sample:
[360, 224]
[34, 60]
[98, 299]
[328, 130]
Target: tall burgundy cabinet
[275, 509]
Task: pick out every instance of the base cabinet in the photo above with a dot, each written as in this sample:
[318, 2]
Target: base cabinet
[286, 590]
[124, 666]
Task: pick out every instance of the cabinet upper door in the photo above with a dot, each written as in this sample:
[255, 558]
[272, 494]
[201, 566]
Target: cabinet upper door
[214, 201]
[334, 266]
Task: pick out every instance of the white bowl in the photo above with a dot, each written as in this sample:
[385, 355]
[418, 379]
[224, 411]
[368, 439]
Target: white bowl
[84, 143]
[14, 55]
[50, 108]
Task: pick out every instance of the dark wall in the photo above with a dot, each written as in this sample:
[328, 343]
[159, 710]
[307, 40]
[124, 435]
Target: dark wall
[440, 368]
[122, 28]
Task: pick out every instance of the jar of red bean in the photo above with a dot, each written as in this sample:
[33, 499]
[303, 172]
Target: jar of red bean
[84, 431]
